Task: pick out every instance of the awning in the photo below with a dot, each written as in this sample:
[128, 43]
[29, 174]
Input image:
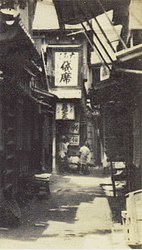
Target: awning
[71, 11]
[43, 98]
[45, 93]
[80, 11]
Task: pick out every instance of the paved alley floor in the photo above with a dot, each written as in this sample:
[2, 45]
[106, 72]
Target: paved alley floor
[79, 214]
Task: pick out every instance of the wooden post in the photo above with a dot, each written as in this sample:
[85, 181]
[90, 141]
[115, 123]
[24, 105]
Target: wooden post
[54, 168]
[112, 179]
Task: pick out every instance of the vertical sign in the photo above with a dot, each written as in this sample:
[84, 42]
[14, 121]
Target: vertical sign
[66, 69]
[65, 111]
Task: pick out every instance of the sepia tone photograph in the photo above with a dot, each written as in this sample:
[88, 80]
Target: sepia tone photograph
[70, 124]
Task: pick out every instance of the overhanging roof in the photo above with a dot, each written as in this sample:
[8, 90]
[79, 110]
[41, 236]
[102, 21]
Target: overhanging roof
[76, 11]
[15, 37]
[17, 48]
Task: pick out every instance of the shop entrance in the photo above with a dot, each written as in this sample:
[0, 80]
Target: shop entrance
[70, 131]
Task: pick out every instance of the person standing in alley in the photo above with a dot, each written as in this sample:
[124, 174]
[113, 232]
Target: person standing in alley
[85, 157]
[63, 154]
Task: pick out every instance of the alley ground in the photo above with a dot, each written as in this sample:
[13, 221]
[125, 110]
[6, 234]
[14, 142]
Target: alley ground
[81, 212]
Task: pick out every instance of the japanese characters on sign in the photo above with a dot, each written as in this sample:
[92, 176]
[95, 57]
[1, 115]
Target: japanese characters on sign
[74, 128]
[66, 69]
[65, 111]
[74, 140]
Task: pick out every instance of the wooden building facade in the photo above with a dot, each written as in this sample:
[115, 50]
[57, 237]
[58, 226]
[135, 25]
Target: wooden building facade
[26, 108]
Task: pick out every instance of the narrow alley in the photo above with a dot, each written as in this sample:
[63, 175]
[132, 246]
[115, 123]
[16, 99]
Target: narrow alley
[70, 124]
[79, 213]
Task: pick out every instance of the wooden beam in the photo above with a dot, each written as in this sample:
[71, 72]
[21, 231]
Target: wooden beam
[130, 53]
[129, 71]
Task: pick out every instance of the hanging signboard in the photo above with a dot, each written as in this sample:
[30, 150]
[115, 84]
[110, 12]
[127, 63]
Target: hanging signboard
[65, 111]
[74, 128]
[66, 69]
[74, 140]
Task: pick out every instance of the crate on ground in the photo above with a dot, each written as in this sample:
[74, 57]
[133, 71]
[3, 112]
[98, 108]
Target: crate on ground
[132, 218]
[42, 180]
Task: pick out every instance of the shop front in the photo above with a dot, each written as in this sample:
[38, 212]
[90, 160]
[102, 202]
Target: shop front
[69, 124]
[25, 115]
